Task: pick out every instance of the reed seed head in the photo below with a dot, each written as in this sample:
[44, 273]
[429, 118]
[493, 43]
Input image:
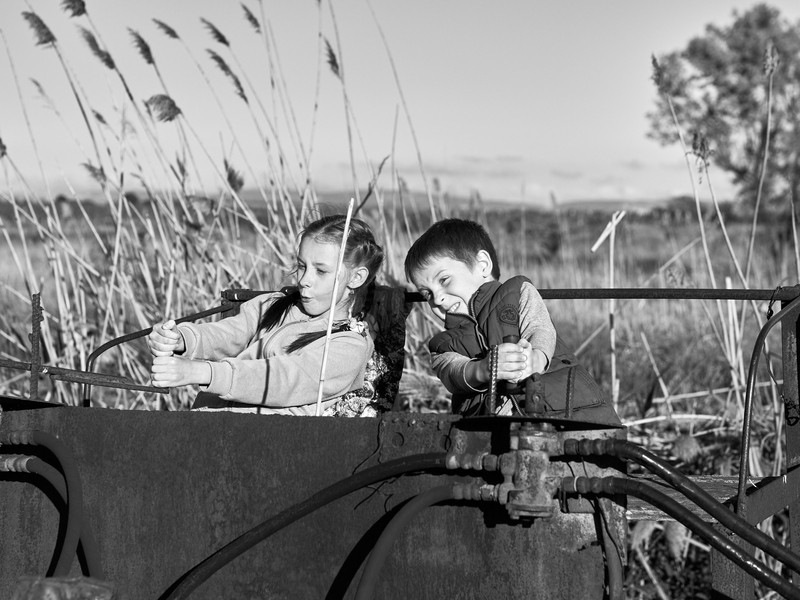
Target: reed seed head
[166, 29]
[215, 33]
[235, 178]
[142, 46]
[3, 149]
[220, 62]
[99, 118]
[43, 34]
[164, 107]
[771, 60]
[701, 148]
[333, 63]
[251, 18]
[40, 89]
[97, 173]
[223, 66]
[76, 8]
[101, 54]
[658, 74]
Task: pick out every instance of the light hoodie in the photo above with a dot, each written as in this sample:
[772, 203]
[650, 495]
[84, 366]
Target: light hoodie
[251, 366]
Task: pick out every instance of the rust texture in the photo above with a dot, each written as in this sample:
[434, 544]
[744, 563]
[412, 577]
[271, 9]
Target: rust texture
[162, 491]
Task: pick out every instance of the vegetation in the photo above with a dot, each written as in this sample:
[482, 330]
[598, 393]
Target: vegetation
[711, 83]
[161, 243]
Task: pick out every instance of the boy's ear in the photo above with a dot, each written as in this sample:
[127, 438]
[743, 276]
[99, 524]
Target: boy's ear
[358, 277]
[484, 263]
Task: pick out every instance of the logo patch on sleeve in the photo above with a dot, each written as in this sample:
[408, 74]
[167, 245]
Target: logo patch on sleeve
[509, 314]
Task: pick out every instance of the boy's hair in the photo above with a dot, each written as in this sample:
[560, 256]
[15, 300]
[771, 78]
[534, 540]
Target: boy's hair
[458, 239]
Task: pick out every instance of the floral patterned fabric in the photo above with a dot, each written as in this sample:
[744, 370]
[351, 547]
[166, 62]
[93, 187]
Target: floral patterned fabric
[385, 319]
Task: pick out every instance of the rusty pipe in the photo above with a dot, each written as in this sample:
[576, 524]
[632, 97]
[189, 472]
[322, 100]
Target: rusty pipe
[193, 578]
[73, 484]
[37, 466]
[735, 553]
[688, 488]
[409, 511]
[744, 467]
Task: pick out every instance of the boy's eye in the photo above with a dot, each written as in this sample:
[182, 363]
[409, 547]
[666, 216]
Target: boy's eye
[444, 280]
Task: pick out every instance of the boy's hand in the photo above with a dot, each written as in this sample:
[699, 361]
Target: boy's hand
[165, 340]
[535, 361]
[513, 361]
[174, 371]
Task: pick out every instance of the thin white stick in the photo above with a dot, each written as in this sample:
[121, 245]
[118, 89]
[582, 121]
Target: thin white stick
[333, 305]
[609, 232]
[612, 310]
[674, 417]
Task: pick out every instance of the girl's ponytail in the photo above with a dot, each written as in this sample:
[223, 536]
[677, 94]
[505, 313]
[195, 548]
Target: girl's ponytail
[363, 251]
[276, 311]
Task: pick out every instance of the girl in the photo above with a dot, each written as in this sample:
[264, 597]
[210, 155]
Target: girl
[268, 357]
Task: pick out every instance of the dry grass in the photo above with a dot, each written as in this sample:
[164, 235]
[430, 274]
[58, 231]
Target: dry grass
[169, 245]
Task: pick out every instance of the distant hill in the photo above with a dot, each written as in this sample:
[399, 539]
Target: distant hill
[418, 199]
[634, 206]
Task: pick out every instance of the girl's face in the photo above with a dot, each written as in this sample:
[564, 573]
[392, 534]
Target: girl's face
[316, 274]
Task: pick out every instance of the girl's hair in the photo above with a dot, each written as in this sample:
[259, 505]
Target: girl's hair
[361, 250]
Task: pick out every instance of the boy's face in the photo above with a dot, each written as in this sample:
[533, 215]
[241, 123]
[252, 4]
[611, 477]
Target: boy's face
[448, 284]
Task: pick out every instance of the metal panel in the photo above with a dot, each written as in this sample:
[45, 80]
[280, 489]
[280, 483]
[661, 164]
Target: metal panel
[791, 400]
[164, 490]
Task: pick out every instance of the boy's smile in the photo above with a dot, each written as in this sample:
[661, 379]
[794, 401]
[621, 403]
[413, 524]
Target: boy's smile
[448, 284]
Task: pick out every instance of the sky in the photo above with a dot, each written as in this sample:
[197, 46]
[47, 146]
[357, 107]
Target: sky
[519, 100]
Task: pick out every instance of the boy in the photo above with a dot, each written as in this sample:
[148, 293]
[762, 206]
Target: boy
[454, 266]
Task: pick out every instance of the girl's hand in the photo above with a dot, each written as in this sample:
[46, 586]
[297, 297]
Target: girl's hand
[165, 340]
[174, 371]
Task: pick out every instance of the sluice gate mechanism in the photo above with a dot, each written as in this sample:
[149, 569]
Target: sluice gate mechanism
[166, 505]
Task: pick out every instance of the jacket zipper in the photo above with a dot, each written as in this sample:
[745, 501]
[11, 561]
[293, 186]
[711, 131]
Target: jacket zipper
[478, 333]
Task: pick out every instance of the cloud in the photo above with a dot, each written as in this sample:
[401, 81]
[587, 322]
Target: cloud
[513, 167]
[566, 174]
[618, 191]
[634, 164]
[674, 165]
[605, 180]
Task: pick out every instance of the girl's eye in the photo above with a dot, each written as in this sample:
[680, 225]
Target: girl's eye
[444, 280]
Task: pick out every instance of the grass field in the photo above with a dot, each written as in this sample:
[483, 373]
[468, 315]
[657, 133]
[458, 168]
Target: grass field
[130, 257]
